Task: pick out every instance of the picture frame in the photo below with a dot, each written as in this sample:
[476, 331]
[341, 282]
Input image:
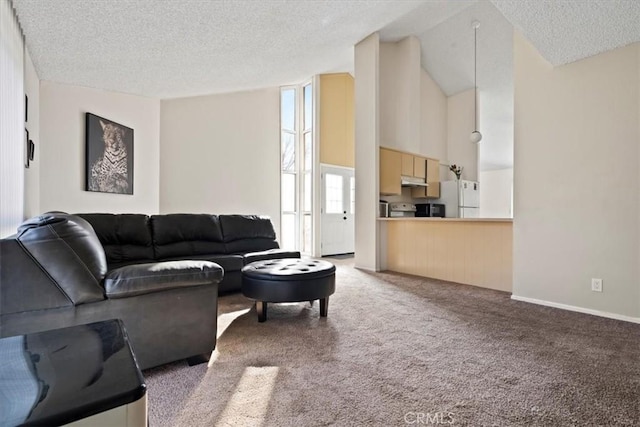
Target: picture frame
[27, 149]
[109, 156]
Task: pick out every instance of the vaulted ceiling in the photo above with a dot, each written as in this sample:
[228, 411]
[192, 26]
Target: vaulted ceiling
[183, 48]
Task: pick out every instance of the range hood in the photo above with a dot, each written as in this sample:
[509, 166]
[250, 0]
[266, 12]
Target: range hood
[412, 181]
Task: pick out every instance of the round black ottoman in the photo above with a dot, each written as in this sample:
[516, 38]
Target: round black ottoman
[288, 280]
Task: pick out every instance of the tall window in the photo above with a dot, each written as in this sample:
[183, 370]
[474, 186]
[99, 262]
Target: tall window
[288, 181]
[296, 145]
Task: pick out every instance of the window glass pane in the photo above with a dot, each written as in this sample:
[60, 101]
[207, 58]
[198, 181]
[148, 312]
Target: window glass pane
[288, 195]
[333, 193]
[308, 108]
[306, 230]
[288, 238]
[288, 109]
[288, 151]
[352, 185]
[307, 192]
[308, 151]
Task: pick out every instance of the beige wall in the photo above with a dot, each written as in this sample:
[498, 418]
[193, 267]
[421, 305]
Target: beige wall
[220, 154]
[460, 124]
[62, 148]
[576, 180]
[335, 128]
[496, 189]
[32, 174]
[367, 111]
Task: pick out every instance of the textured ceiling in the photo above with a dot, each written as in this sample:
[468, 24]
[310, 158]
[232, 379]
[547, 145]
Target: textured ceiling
[179, 48]
[193, 47]
[566, 31]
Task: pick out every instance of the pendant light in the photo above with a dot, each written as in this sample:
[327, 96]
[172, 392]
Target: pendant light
[475, 136]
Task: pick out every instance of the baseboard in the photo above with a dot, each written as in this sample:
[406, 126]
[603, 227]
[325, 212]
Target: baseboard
[577, 309]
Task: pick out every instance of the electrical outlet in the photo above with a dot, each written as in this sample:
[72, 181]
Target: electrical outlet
[596, 285]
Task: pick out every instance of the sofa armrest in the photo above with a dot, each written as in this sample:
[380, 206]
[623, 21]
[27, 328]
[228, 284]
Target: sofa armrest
[139, 279]
[270, 254]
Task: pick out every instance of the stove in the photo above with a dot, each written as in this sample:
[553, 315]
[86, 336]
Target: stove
[400, 209]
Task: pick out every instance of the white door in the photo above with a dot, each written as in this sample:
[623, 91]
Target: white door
[338, 209]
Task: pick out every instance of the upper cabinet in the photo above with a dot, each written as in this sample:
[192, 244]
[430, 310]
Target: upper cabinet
[396, 164]
[433, 180]
[390, 171]
[419, 167]
[337, 120]
[413, 165]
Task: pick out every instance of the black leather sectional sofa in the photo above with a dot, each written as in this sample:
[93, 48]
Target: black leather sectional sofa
[231, 241]
[160, 274]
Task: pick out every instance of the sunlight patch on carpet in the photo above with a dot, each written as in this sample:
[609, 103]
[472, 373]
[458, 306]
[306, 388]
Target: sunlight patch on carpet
[250, 400]
[225, 320]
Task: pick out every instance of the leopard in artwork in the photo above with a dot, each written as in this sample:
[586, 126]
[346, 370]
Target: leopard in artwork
[109, 173]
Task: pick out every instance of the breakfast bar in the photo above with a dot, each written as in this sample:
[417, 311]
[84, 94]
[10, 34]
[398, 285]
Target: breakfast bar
[473, 251]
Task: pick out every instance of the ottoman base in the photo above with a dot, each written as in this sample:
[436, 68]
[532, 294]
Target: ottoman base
[261, 308]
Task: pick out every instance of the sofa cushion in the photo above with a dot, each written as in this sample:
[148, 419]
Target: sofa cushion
[270, 254]
[247, 233]
[125, 237]
[227, 262]
[183, 235]
[67, 248]
[141, 279]
[238, 227]
[250, 245]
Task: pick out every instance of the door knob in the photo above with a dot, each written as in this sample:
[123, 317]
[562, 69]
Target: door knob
[344, 212]
[344, 217]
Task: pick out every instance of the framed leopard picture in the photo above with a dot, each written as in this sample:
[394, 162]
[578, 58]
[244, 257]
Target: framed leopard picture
[109, 148]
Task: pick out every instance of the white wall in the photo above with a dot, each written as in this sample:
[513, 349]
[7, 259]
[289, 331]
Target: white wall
[388, 88]
[367, 112]
[32, 174]
[576, 179]
[496, 193]
[409, 114]
[61, 149]
[400, 94]
[433, 121]
[460, 124]
[220, 154]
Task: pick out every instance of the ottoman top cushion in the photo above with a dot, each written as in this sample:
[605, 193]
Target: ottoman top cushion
[289, 269]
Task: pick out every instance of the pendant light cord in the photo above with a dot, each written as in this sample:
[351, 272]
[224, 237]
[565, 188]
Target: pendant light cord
[475, 78]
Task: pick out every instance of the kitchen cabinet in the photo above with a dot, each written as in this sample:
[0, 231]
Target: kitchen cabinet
[433, 179]
[394, 164]
[413, 165]
[407, 164]
[419, 167]
[390, 171]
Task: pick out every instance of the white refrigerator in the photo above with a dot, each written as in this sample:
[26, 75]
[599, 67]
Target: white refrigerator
[461, 198]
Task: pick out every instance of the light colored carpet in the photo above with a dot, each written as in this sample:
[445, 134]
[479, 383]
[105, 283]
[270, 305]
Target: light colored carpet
[400, 350]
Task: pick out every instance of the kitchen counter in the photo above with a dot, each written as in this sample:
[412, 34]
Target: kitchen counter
[473, 251]
[509, 220]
